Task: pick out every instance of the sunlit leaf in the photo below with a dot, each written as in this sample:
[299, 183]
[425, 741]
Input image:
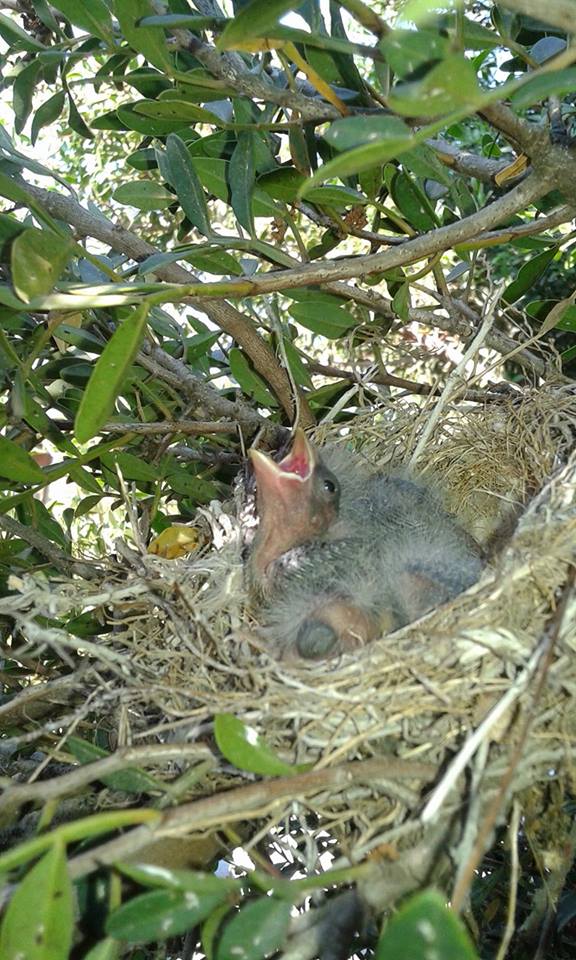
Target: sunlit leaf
[253, 20]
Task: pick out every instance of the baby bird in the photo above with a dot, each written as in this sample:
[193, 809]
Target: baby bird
[344, 554]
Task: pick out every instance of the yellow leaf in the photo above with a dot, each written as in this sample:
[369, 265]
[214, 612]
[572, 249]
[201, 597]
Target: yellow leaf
[176, 541]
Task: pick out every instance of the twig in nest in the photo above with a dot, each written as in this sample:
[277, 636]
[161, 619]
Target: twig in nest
[456, 377]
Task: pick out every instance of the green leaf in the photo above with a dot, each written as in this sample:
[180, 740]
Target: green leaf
[412, 203]
[361, 158]
[199, 490]
[255, 19]
[195, 881]
[323, 317]
[546, 85]
[47, 113]
[257, 931]
[39, 920]
[146, 195]
[282, 184]
[16, 37]
[76, 122]
[353, 132]
[213, 174]
[422, 928]
[160, 914]
[131, 780]
[423, 162]
[297, 368]
[242, 176]
[446, 87]
[108, 376]
[336, 197]
[107, 949]
[16, 464]
[92, 16]
[23, 92]
[243, 746]
[251, 383]
[38, 259]
[177, 111]
[528, 274]
[408, 50]
[401, 302]
[185, 180]
[146, 40]
[131, 467]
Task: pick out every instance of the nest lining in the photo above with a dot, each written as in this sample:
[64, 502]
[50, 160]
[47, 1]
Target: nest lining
[184, 647]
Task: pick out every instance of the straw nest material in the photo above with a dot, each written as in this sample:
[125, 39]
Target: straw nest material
[483, 687]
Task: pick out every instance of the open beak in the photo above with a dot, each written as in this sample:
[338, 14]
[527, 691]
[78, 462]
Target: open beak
[286, 477]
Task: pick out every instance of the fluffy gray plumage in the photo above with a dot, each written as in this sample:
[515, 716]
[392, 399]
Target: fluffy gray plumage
[392, 555]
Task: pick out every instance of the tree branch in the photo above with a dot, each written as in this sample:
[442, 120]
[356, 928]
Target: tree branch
[230, 806]
[560, 13]
[53, 554]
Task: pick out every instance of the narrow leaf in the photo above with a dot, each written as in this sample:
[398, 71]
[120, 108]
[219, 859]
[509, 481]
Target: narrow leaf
[92, 16]
[252, 384]
[185, 180]
[241, 174]
[146, 195]
[108, 376]
[160, 914]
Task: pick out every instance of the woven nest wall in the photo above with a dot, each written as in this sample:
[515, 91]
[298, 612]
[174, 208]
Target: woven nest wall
[485, 684]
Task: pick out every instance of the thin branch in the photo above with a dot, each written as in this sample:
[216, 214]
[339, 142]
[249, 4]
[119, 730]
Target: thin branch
[389, 380]
[193, 428]
[55, 787]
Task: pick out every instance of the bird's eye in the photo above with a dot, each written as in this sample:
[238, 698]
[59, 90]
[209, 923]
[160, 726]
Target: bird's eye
[330, 486]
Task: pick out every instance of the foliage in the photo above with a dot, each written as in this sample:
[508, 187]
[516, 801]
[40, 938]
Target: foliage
[246, 171]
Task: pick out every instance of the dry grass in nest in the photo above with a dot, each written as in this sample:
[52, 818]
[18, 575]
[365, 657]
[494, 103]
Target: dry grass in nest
[486, 683]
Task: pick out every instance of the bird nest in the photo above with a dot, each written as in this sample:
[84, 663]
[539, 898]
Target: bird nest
[475, 701]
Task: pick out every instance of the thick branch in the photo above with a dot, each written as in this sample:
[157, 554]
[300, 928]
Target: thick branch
[227, 317]
[560, 13]
[241, 803]
[523, 135]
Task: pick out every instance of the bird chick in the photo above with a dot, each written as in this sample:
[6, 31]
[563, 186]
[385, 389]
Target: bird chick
[340, 571]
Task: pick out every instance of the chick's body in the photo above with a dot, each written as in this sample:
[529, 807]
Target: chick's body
[391, 554]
